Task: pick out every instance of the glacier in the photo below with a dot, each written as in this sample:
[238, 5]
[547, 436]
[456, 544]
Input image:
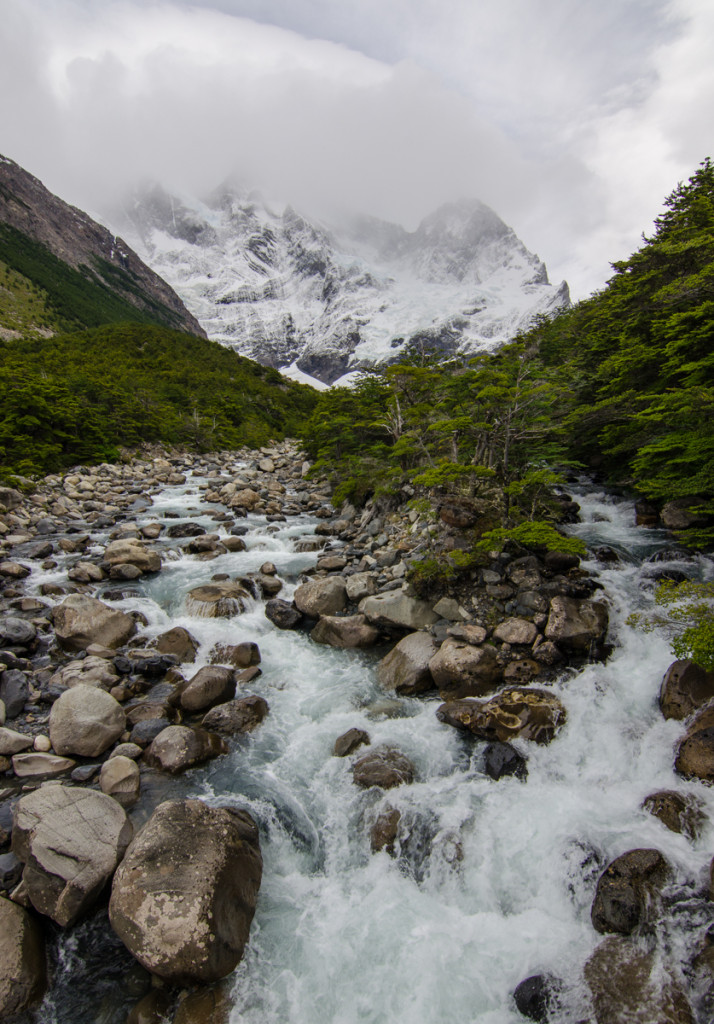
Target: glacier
[325, 300]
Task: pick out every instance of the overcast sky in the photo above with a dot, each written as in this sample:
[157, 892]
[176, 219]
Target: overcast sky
[571, 118]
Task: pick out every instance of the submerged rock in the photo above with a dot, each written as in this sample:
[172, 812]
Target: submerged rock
[217, 600]
[679, 812]
[502, 759]
[536, 996]
[70, 840]
[184, 896]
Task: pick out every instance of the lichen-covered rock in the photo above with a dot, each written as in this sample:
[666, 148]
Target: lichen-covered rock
[406, 668]
[80, 621]
[177, 747]
[85, 721]
[685, 688]
[70, 840]
[460, 669]
[346, 631]
[517, 712]
[23, 964]
[184, 896]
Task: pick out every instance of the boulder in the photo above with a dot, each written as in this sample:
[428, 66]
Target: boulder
[211, 685]
[626, 890]
[516, 712]
[515, 631]
[406, 668]
[119, 778]
[179, 642]
[576, 625]
[80, 621]
[23, 963]
[12, 742]
[14, 570]
[15, 632]
[628, 986]
[396, 610]
[679, 812]
[382, 766]
[282, 614]
[536, 996]
[239, 655]
[349, 741]
[11, 498]
[205, 1006]
[502, 759]
[37, 765]
[345, 631]
[685, 688]
[70, 840]
[695, 753]
[90, 671]
[184, 897]
[85, 721]
[679, 514]
[241, 715]
[460, 669]
[177, 747]
[321, 597]
[217, 600]
[362, 584]
[132, 552]
[14, 691]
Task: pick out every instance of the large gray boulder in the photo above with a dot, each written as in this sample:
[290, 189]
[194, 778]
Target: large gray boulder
[23, 965]
[184, 897]
[395, 609]
[345, 631]
[321, 597]
[241, 715]
[575, 625]
[80, 621]
[177, 747]
[132, 552]
[70, 841]
[85, 721]
[460, 669]
[406, 668]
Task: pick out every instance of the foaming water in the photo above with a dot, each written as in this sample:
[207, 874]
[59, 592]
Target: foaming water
[496, 879]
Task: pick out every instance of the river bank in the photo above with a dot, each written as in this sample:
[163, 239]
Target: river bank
[477, 883]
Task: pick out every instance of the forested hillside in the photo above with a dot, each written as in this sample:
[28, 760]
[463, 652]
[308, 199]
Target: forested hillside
[76, 397]
[621, 385]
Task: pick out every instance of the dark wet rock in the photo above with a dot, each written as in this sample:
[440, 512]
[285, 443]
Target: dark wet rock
[178, 747]
[677, 811]
[349, 741]
[85, 721]
[283, 614]
[461, 669]
[536, 996]
[383, 766]
[607, 555]
[239, 655]
[561, 561]
[517, 712]
[70, 841]
[385, 830]
[406, 668]
[153, 1008]
[626, 891]
[80, 621]
[85, 772]
[321, 597]
[10, 871]
[14, 691]
[576, 625]
[205, 1006]
[23, 964]
[241, 715]
[145, 731]
[184, 897]
[685, 688]
[345, 631]
[695, 753]
[16, 632]
[185, 530]
[628, 986]
[502, 759]
[211, 685]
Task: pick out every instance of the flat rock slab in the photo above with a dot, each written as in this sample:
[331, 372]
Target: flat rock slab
[70, 840]
[184, 896]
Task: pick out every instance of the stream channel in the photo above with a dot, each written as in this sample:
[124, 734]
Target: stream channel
[497, 879]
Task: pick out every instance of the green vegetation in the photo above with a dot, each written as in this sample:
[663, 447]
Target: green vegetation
[23, 305]
[71, 299]
[76, 397]
[621, 384]
[689, 618]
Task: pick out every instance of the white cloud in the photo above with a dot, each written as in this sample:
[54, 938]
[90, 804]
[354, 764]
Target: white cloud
[572, 119]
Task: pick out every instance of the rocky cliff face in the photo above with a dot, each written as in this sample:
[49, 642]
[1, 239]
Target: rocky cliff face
[29, 211]
[289, 292]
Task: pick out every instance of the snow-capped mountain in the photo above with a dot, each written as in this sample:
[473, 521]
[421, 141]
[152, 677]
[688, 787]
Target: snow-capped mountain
[289, 292]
